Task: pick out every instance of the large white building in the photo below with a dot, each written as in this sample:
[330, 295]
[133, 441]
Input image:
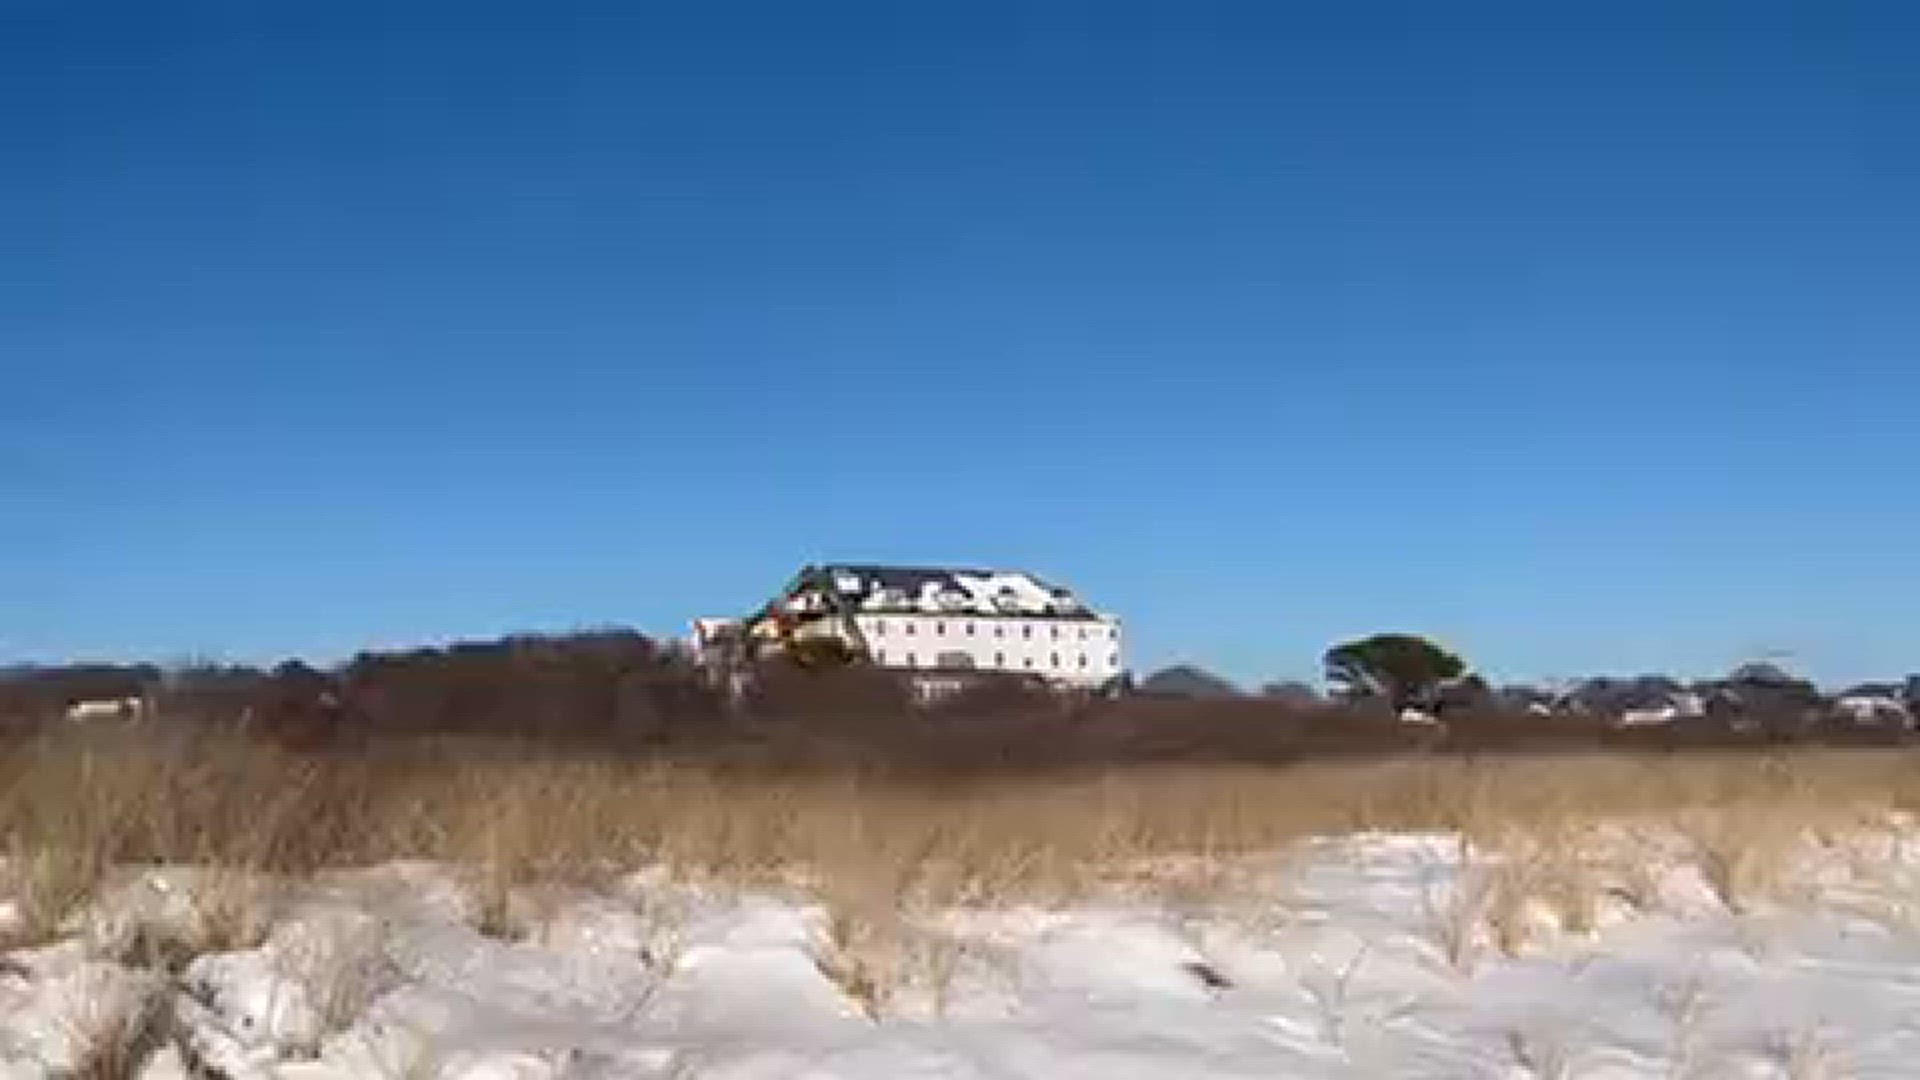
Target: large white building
[941, 620]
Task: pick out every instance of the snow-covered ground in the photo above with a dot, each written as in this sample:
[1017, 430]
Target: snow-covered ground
[1359, 956]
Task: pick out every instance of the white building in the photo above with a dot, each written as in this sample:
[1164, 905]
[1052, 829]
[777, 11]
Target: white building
[931, 619]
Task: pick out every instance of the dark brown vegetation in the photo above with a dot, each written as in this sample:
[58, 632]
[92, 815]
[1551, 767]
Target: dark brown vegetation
[620, 692]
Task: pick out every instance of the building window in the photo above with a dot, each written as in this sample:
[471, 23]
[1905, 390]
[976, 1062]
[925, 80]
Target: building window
[999, 659]
[1028, 662]
[1083, 633]
[999, 631]
[912, 660]
[1114, 660]
[879, 656]
[1056, 633]
[940, 628]
[1056, 659]
[880, 627]
[969, 629]
[1083, 660]
[1026, 631]
[907, 628]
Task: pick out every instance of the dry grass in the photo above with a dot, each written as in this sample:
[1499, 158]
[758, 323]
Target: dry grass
[1520, 877]
[1455, 915]
[1746, 856]
[342, 972]
[233, 909]
[70, 814]
[50, 884]
[885, 962]
[886, 852]
[225, 910]
[114, 1033]
[1534, 873]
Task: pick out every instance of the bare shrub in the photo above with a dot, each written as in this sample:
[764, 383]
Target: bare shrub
[1331, 992]
[114, 1033]
[1542, 1051]
[879, 959]
[855, 958]
[1455, 914]
[226, 911]
[342, 968]
[1805, 1053]
[495, 914]
[233, 910]
[1744, 856]
[1543, 872]
[663, 915]
[50, 884]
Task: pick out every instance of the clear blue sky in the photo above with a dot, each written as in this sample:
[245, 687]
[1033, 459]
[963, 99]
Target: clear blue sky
[1588, 342]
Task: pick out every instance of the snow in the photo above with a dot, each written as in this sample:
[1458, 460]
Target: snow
[1365, 955]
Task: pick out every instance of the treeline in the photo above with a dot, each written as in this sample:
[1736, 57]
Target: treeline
[599, 687]
[619, 691]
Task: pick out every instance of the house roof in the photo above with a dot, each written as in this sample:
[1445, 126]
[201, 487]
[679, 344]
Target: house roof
[877, 587]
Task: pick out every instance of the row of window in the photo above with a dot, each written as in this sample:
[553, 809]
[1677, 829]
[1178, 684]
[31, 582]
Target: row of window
[1000, 660]
[940, 630]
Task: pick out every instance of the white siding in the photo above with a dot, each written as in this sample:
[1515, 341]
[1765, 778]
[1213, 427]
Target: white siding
[1070, 650]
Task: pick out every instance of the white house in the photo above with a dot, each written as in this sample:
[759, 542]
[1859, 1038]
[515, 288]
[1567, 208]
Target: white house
[941, 620]
[122, 708]
[1871, 709]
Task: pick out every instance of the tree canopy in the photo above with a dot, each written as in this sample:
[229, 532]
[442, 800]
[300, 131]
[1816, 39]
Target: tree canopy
[1405, 669]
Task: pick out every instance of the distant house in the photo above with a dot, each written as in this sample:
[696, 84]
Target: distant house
[1875, 705]
[930, 621]
[1682, 705]
[121, 708]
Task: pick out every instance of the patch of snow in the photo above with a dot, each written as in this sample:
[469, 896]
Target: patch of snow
[381, 972]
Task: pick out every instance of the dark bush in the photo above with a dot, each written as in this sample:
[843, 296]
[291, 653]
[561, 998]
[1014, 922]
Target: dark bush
[616, 691]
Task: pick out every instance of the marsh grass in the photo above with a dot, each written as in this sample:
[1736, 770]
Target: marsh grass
[70, 814]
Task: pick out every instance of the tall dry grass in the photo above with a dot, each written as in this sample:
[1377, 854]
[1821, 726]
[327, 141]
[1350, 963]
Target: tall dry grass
[71, 813]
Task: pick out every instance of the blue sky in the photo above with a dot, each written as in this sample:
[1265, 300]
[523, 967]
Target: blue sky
[1586, 342]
